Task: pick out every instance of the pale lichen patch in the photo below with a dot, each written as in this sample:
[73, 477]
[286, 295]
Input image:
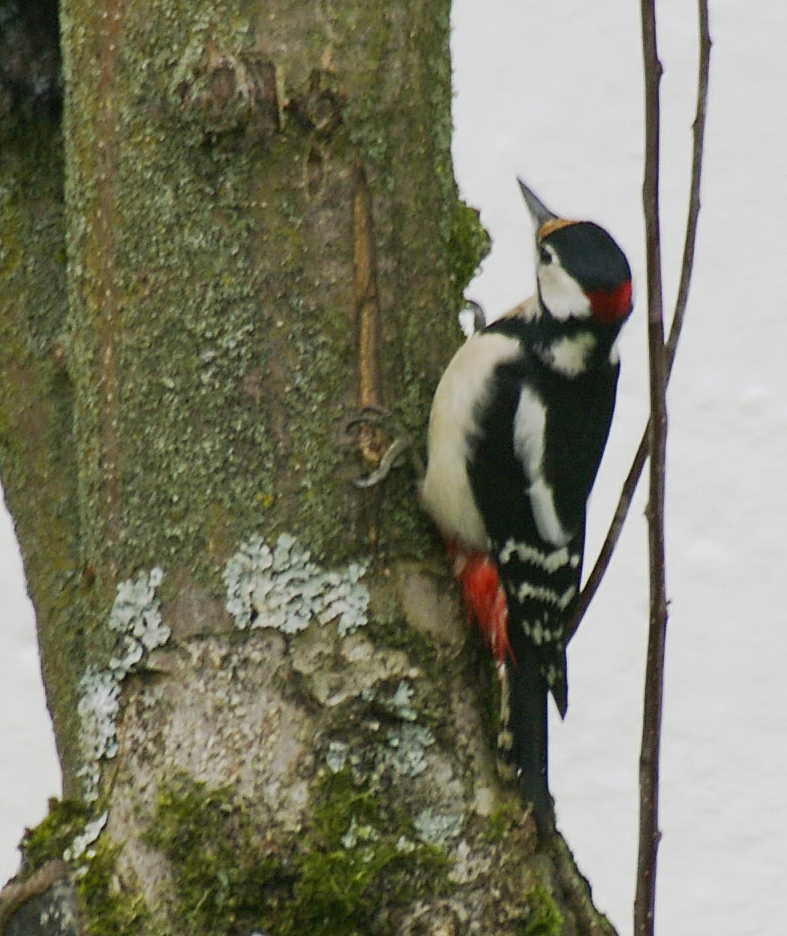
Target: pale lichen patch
[136, 617]
[408, 746]
[437, 828]
[80, 846]
[283, 588]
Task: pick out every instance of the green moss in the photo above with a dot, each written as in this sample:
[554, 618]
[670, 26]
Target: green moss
[106, 910]
[468, 244]
[50, 838]
[502, 820]
[222, 879]
[36, 448]
[533, 911]
[332, 882]
[355, 862]
[544, 918]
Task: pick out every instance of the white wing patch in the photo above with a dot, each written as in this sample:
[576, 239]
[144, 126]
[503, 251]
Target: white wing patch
[542, 500]
[530, 422]
[529, 430]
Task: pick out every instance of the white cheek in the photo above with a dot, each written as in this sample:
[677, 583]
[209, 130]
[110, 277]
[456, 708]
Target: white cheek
[560, 293]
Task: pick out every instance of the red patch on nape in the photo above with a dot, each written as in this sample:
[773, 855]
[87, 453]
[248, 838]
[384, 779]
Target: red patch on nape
[484, 599]
[610, 307]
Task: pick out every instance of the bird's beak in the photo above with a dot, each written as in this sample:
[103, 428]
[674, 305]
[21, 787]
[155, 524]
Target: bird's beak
[541, 214]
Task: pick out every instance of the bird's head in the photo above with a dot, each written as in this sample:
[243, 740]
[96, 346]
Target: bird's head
[581, 271]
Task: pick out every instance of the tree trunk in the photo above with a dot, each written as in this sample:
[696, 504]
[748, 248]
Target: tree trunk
[265, 710]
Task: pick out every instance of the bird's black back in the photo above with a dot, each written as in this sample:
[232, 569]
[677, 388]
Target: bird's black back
[578, 416]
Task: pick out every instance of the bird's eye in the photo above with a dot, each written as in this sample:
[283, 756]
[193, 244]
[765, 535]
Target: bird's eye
[544, 256]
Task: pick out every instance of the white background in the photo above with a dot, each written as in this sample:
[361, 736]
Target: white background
[552, 92]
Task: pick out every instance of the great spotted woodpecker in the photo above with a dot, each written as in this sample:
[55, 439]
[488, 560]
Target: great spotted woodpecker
[517, 429]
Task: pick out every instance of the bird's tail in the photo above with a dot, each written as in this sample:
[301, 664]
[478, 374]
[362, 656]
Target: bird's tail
[523, 741]
[522, 738]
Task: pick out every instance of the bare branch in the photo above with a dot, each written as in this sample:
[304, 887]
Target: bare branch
[649, 834]
[645, 898]
[696, 177]
[638, 463]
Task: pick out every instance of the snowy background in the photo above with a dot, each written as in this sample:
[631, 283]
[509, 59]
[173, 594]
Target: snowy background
[553, 92]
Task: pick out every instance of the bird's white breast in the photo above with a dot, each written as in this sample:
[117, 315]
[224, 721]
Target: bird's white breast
[462, 390]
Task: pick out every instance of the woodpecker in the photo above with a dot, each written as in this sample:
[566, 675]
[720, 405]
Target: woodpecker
[518, 425]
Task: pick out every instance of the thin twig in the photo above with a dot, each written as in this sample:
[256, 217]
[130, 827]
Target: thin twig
[645, 897]
[696, 177]
[649, 834]
[638, 463]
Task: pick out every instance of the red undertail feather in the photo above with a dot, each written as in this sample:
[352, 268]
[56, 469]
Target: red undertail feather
[484, 598]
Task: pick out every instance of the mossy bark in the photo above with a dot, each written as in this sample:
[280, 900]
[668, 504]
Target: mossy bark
[182, 350]
[195, 385]
[36, 408]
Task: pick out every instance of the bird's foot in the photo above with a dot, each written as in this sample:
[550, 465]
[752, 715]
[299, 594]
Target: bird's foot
[387, 456]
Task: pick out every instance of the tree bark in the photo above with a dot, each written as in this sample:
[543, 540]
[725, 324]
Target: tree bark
[266, 712]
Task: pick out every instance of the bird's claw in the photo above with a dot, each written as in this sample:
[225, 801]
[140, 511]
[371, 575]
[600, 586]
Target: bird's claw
[393, 456]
